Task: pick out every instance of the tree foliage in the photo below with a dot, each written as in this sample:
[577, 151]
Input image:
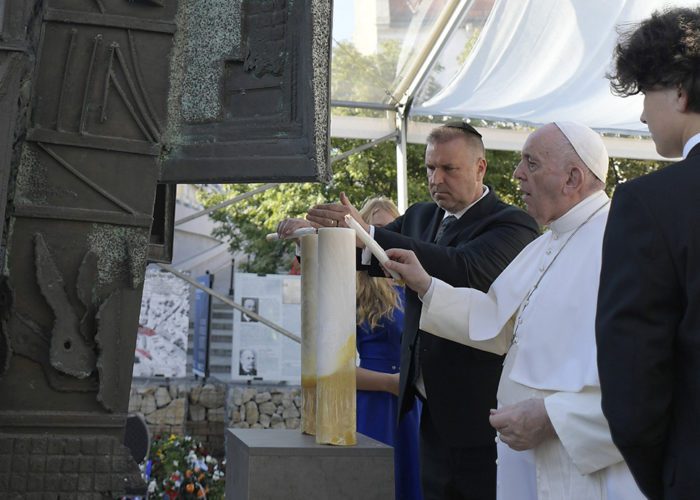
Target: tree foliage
[360, 176]
[363, 78]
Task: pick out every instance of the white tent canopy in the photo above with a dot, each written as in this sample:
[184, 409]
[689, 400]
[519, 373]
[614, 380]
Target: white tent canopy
[538, 61]
[534, 61]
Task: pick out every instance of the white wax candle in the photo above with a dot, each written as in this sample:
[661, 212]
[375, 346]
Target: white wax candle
[335, 345]
[373, 246]
[309, 331]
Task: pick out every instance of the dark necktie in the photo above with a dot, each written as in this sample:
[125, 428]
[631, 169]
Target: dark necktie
[446, 222]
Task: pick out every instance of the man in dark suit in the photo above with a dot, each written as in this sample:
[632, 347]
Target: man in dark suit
[648, 319]
[466, 237]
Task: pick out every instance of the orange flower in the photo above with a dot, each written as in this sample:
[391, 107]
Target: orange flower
[189, 488]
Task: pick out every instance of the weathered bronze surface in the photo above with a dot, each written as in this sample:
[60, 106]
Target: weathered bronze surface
[251, 101]
[99, 100]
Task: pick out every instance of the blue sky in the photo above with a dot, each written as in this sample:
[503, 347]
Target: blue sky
[343, 19]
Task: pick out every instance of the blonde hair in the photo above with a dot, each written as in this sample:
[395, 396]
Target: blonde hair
[376, 297]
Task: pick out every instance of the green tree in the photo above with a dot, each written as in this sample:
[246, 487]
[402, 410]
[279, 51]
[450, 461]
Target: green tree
[363, 78]
[360, 176]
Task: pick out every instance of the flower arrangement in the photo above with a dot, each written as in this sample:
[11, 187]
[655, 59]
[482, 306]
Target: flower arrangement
[179, 468]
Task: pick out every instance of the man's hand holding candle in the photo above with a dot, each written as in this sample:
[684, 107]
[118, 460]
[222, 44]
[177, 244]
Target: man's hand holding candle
[405, 263]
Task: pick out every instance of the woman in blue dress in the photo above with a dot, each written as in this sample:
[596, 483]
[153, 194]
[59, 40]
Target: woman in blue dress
[379, 326]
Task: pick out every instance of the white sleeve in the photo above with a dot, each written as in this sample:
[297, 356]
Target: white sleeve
[447, 312]
[578, 419]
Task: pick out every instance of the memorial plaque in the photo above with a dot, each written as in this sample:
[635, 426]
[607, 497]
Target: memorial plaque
[250, 104]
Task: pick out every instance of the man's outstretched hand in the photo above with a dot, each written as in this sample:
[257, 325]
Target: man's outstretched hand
[288, 226]
[333, 214]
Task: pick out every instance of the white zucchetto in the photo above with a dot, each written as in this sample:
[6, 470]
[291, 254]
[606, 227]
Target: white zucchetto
[588, 145]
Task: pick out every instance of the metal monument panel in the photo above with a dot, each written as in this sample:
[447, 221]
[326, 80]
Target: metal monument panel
[250, 104]
[100, 100]
[87, 146]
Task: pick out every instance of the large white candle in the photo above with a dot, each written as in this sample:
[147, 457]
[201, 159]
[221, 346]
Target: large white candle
[309, 331]
[335, 361]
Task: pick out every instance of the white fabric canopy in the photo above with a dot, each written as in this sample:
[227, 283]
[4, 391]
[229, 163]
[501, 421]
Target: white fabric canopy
[538, 61]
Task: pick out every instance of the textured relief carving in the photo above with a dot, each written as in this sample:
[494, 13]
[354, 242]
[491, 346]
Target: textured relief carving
[265, 32]
[85, 288]
[33, 342]
[77, 342]
[108, 340]
[244, 104]
[93, 185]
[70, 352]
[257, 84]
[134, 101]
[209, 32]
[5, 306]
[85, 467]
[104, 99]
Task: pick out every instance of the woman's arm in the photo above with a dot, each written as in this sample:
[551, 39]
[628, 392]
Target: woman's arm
[369, 380]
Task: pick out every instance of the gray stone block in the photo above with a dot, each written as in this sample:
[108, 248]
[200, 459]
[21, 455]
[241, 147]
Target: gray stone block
[261, 460]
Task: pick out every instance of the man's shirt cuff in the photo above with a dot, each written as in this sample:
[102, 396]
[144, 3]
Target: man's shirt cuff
[366, 253]
[429, 294]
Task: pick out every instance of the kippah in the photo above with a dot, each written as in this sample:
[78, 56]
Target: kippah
[461, 124]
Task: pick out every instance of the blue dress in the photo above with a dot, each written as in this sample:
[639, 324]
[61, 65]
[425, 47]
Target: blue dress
[380, 350]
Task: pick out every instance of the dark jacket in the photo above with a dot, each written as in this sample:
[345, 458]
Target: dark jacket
[648, 328]
[460, 381]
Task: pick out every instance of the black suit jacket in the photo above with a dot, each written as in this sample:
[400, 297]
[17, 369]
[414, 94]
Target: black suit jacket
[460, 382]
[648, 328]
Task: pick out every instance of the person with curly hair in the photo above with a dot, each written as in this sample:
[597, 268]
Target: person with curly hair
[648, 318]
[380, 317]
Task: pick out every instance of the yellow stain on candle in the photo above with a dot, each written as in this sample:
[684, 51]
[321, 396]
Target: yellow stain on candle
[335, 400]
[308, 405]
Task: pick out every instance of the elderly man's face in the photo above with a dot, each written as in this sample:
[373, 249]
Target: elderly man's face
[247, 360]
[542, 174]
[455, 173]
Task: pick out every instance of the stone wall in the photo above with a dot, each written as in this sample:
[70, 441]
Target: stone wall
[203, 411]
[265, 408]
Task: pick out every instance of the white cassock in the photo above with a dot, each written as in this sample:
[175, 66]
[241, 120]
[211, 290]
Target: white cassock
[552, 356]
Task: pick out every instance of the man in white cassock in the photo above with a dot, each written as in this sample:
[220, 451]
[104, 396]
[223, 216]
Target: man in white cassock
[553, 440]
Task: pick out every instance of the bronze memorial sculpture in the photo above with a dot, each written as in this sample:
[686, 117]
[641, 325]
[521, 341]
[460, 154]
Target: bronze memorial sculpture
[104, 106]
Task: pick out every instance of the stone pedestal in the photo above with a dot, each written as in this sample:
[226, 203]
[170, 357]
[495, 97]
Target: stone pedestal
[271, 464]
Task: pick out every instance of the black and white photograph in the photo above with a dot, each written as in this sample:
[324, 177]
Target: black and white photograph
[247, 364]
[250, 303]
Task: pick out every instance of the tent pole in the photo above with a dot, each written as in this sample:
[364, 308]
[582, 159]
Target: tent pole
[401, 161]
[445, 25]
[414, 77]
